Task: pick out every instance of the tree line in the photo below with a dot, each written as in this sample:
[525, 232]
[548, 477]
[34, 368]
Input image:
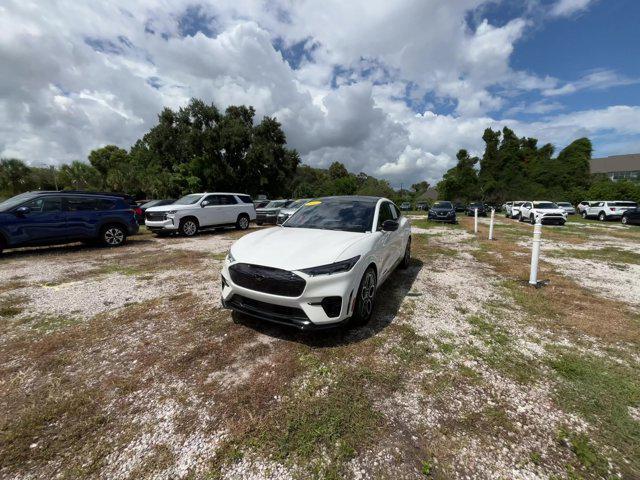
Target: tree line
[516, 168]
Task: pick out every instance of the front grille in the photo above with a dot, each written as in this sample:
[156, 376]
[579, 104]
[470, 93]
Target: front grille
[267, 280]
[155, 216]
[269, 311]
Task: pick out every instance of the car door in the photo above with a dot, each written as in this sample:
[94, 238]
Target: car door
[229, 208]
[43, 223]
[209, 214]
[80, 215]
[389, 239]
[634, 215]
[594, 208]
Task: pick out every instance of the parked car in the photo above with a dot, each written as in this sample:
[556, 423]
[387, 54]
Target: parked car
[405, 206]
[198, 211]
[269, 213]
[442, 211]
[422, 206]
[260, 203]
[631, 216]
[151, 203]
[512, 209]
[608, 210]
[567, 207]
[482, 212]
[582, 206]
[323, 267]
[546, 212]
[459, 207]
[293, 207]
[50, 218]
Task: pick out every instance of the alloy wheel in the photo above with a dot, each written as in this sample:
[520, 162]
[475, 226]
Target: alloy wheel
[113, 236]
[367, 294]
[189, 228]
[624, 220]
[244, 223]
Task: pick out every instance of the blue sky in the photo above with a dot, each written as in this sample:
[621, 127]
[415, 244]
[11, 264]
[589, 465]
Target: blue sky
[393, 89]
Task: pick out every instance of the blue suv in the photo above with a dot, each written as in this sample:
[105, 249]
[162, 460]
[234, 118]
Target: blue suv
[48, 218]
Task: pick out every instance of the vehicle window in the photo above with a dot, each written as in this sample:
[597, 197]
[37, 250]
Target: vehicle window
[623, 204]
[396, 210]
[334, 214]
[442, 205]
[245, 198]
[226, 200]
[385, 214]
[276, 204]
[106, 204]
[152, 203]
[14, 201]
[188, 199]
[545, 205]
[45, 204]
[212, 199]
[77, 204]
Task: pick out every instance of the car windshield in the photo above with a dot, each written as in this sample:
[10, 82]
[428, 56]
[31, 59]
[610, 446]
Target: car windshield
[517, 204]
[150, 204]
[564, 204]
[298, 203]
[623, 204]
[333, 214]
[14, 201]
[544, 205]
[479, 205]
[442, 205]
[276, 204]
[188, 199]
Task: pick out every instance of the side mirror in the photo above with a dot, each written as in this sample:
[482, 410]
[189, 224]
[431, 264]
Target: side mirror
[21, 211]
[205, 203]
[390, 226]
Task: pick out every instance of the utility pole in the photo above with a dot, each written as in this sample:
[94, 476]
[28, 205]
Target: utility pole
[55, 176]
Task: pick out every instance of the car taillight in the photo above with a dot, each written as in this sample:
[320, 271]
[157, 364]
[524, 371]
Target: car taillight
[613, 209]
[137, 211]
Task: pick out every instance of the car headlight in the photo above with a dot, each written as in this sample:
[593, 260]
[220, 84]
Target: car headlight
[230, 258]
[172, 212]
[338, 267]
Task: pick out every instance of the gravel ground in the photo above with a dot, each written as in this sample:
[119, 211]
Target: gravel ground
[186, 391]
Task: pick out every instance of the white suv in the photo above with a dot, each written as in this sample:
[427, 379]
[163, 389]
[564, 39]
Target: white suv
[512, 209]
[608, 210]
[201, 210]
[546, 212]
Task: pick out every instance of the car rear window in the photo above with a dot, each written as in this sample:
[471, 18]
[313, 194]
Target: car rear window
[245, 198]
[623, 204]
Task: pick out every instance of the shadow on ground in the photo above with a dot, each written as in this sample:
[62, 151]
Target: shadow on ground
[388, 302]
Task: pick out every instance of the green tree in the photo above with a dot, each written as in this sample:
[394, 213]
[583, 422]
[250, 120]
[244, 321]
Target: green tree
[337, 170]
[461, 181]
[15, 176]
[79, 176]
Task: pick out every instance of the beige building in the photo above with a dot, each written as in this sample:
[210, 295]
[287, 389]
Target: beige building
[618, 167]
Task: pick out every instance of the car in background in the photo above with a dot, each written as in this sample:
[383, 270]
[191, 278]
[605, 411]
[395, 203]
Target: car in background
[482, 212]
[51, 218]
[582, 206]
[269, 213]
[547, 213]
[422, 206]
[405, 206]
[459, 207]
[608, 210]
[293, 207]
[631, 216]
[198, 211]
[261, 203]
[151, 203]
[512, 209]
[323, 267]
[567, 207]
[442, 211]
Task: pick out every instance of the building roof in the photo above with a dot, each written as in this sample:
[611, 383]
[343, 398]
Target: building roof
[616, 163]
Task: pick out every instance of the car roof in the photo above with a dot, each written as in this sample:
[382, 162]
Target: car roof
[81, 193]
[355, 198]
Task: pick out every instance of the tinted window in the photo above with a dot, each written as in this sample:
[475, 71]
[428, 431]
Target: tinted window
[227, 200]
[545, 205]
[623, 204]
[212, 199]
[334, 214]
[245, 198]
[276, 204]
[106, 204]
[396, 210]
[45, 204]
[442, 205]
[152, 203]
[386, 213]
[14, 201]
[76, 204]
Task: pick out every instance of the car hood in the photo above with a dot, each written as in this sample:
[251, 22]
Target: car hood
[168, 208]
[293, 248]
[434, 209]
[288, 211]
[268, 210]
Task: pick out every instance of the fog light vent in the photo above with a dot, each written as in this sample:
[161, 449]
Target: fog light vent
[332, 306]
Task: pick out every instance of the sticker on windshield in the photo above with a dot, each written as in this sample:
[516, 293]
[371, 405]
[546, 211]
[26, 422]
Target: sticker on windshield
[311, 204]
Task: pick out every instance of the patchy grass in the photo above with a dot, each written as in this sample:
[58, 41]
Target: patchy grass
[601, 390]
[605, 254]
[11, 306]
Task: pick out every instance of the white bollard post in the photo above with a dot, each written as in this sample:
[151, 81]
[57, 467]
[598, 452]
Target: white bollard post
[493, 212]
[475, 221]
[535, 253]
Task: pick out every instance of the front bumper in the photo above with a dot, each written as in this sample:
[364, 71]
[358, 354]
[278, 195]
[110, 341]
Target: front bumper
[305, 312]
[546, 220]
[441, 218]
[268, 218]
[168, 224]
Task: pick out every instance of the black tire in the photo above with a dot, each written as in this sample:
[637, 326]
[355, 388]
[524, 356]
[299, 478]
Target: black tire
[532, 219]
[3, 245]
[406, 259]
[584, 215]
[259, 224]
[162, 233]
[562, 224]
[602, 217]
[113, 235]
[365, 297]
[243, 222]
[520, 219]
[624, 220]
[188, 227]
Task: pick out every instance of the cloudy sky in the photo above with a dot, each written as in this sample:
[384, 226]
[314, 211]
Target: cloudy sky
[392, 88]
